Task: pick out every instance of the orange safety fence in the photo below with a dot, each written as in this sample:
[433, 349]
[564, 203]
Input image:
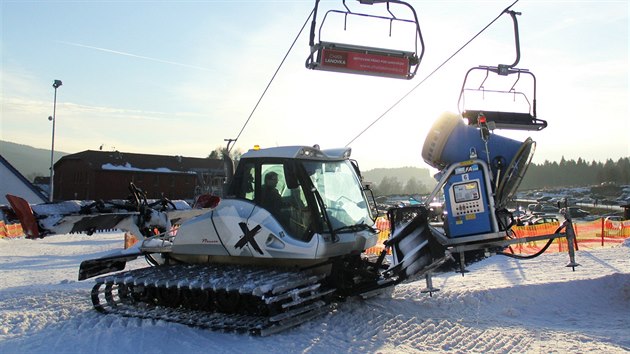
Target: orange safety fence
[589, 235]
[382, 224]
[10, 230]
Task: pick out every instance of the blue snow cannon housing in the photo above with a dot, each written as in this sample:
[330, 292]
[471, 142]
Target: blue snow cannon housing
[479, 171]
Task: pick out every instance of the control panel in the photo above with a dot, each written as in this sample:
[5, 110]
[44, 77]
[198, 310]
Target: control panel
[466, 203]
[466, 198]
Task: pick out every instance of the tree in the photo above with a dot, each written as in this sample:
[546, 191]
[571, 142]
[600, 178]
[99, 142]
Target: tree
[389, 185]
[217, 153]
[413, 186]
[624, 167]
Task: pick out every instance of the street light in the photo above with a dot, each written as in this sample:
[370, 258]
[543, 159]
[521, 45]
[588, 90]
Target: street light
[56, 84]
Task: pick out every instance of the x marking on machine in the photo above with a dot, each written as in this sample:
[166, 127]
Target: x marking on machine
[248, 237]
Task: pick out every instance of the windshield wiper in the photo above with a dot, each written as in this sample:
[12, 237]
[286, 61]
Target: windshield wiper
[353, 228]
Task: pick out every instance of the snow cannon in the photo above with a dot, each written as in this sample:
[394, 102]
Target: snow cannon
[479, 171]
[451, 141]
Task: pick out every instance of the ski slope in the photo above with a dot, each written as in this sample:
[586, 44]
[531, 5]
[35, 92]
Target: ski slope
[501, 306]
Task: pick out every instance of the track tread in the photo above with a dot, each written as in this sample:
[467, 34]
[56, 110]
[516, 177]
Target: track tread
[291, 297]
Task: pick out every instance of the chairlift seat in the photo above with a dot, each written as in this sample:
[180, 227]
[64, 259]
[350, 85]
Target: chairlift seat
[506, 120]
[364, 60]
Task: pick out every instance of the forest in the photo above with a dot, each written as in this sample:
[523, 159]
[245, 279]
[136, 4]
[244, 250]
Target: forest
[568, 173]
[565, 173]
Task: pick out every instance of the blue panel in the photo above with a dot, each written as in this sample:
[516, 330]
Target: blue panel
[467, 203]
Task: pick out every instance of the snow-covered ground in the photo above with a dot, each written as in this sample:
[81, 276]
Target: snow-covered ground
[501, 306]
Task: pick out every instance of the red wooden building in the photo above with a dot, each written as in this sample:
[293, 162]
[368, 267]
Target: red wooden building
[91, 175]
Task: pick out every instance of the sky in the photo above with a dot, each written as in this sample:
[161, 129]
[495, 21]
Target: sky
[180, 77]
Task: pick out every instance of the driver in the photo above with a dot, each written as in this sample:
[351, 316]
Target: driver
[270, 197]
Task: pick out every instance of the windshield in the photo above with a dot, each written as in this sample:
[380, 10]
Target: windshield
[341, 192]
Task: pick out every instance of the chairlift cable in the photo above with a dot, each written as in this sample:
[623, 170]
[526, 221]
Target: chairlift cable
[431, 73]
[270, 81]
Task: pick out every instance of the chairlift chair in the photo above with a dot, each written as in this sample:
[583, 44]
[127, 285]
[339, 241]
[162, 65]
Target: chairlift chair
[502, 119]
[365, 60]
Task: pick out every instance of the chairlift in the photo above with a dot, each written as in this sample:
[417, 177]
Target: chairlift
[366, 60]
[502, 119]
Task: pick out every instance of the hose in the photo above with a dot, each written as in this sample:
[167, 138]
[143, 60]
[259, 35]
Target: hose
[542, 250]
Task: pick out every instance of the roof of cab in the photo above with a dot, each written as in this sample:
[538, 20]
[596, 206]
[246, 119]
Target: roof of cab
[299, 152]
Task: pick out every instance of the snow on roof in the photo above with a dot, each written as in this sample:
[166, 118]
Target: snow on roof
[127, 167]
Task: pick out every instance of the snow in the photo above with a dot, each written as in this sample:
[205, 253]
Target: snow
[128, 167]
[502, 305]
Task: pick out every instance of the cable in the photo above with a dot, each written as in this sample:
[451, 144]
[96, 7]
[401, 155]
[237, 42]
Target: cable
[270, 81]
[431, 74]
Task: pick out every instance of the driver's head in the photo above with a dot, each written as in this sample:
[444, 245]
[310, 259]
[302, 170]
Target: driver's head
[271, 179]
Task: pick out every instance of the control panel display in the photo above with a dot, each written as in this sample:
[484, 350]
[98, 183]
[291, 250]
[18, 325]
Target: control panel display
[466, 192]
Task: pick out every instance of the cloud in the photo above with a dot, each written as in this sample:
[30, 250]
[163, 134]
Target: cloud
[16, 106]
[136, 56]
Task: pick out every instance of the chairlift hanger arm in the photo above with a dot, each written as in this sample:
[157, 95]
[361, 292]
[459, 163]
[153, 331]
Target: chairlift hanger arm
[504, 68]
[311, 41]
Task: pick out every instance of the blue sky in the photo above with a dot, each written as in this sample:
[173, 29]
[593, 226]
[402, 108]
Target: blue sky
[179, 77]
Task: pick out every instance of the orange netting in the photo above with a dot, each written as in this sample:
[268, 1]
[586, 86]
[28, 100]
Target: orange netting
[382, 224]
[10, 230]
[589, 235]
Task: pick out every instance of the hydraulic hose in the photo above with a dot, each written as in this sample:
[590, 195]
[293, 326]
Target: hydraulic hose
[542, 250]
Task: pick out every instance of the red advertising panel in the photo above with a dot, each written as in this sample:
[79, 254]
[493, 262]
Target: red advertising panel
[367, 63]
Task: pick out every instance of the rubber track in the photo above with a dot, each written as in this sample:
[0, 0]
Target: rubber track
[282, 298]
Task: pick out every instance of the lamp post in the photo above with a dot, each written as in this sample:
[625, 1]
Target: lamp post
[56, 85]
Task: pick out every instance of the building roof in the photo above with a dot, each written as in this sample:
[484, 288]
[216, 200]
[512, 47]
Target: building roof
[13, 182]
[116, 160]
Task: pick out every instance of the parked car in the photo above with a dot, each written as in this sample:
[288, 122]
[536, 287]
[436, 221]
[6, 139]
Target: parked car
[542, 220]
[534, 207]
[576, 212]
[549, 209]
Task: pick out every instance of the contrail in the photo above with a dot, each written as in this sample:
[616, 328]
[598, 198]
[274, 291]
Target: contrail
[135, 55]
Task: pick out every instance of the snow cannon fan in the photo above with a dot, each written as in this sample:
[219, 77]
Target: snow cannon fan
[473, 165]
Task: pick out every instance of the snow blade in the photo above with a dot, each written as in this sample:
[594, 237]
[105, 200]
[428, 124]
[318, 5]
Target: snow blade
[409, 240]
[99, 266]
[24, 212]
